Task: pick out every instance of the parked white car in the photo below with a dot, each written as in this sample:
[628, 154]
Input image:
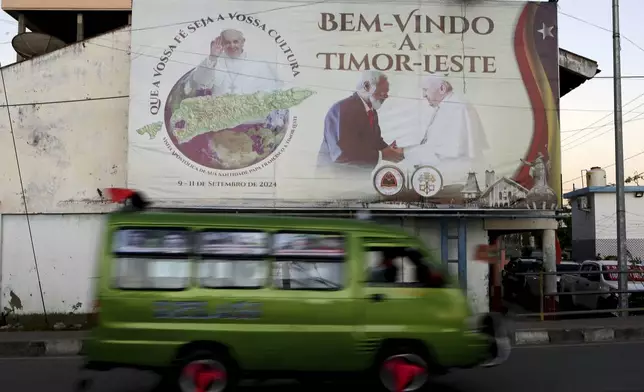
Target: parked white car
[603, 284]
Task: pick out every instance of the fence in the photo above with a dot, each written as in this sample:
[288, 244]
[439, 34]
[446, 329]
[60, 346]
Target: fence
[605, 298]
[606, 247]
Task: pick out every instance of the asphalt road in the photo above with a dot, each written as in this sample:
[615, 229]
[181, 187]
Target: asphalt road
[590, 368]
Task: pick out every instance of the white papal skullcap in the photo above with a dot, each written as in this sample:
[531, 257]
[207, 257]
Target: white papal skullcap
[433, 81]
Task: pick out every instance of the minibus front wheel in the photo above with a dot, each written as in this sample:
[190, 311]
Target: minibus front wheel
[403, 367]
[203, 371]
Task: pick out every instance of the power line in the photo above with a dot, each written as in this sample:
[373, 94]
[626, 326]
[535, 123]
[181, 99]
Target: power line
[64, 101]
[326, 87]
[611, 165]
[638, 117]
[24, 196]
[204, 54]
[599, 126]
[604, 117]
[602, 28]
[308, 4]
[584, 138]
[621, 77]
[632, 110]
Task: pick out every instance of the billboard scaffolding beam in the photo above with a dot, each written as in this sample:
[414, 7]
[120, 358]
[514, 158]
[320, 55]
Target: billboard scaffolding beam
[619, 162]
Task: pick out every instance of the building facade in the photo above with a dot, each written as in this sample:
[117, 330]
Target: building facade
[594, 227]
[69, 20]
[68, 117]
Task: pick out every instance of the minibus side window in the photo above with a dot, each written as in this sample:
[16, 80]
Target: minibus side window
[309, 274]
[309, 261]
[233, 259]
[392, 266]
[151, 259]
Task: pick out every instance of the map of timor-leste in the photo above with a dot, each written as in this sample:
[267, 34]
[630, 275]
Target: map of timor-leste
[199, 115]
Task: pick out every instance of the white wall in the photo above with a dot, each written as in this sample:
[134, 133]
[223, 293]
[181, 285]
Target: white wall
[69, 115]
[605, 216]
[478, 273]
[66, 149]
[66, 248]
[606, 228]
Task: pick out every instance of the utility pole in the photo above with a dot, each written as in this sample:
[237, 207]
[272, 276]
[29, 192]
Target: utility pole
[619, 164]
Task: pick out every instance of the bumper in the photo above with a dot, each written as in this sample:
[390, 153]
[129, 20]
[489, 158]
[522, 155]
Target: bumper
[496, 328]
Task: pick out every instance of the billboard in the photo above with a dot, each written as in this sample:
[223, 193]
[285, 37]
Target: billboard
[269, 103]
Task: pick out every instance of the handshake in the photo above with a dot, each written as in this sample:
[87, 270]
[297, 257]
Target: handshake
[392, 153]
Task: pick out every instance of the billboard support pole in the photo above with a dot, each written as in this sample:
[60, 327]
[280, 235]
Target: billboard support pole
[619, 163]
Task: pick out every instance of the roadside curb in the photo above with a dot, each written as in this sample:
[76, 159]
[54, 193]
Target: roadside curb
[42, 348]
[576, 335]
[520, 337]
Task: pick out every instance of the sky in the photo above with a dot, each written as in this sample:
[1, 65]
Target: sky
[586, 113]
[594, 144]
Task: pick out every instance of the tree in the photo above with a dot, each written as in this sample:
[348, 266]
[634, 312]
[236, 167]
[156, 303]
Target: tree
[636, 178]
[564, 232]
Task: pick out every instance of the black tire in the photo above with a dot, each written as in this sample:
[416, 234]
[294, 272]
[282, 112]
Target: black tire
[209, 366]
[313, 383]
[507, 293]
[606, 304]
[566, 301]
[409, 354]
[83, 385]
[602, 304]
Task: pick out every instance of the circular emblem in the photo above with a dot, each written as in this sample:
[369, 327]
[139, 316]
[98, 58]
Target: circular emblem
[388, 180]
[427, 181]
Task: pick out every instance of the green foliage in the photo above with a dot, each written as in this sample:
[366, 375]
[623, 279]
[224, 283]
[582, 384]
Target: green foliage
[564, 233]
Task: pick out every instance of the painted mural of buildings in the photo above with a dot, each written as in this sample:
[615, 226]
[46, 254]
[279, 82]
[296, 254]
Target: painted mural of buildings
[497, 193]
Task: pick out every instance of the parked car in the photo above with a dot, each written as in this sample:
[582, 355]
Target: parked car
[533, 283]
[603, 286]
[514, 284]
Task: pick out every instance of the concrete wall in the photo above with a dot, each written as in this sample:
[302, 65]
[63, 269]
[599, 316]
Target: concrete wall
[606, 228]
[605, 215]
[65, 248]
[583, 232]
[69, 114]
[583, 222]
[477, 272]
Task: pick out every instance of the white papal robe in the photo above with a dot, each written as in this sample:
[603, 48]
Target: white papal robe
[242, 75]
[453, 141]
